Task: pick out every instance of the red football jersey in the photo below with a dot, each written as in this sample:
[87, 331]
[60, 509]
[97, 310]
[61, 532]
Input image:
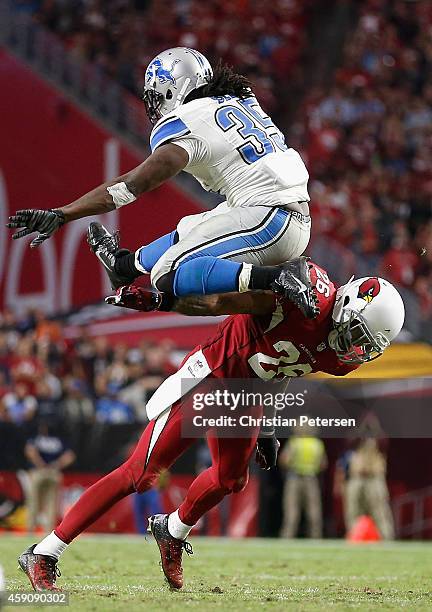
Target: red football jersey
[282, 344]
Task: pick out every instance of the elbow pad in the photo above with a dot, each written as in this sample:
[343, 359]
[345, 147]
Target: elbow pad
[120, 194]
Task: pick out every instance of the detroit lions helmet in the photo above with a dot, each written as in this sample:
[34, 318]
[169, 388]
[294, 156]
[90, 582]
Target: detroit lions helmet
[170, 77]
[368, 314]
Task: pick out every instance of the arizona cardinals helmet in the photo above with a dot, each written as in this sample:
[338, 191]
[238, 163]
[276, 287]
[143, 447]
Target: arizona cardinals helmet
[368, 314]
[170, 77]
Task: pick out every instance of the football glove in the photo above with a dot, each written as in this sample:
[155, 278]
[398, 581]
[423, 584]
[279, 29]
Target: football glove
[136, 298]
[45, 222]
[267, 449]
[294, 283]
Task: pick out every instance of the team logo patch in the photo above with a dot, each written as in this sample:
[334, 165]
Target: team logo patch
[369, 289]
[156, 70]
[195, 368]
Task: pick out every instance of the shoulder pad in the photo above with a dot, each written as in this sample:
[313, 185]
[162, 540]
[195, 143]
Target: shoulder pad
[166, 129]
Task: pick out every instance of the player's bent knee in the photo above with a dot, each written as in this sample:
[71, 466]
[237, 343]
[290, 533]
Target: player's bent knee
[123, 479]
[165, 283]
[147, 481]
[234, 484]
[240, 483]
[140, 478]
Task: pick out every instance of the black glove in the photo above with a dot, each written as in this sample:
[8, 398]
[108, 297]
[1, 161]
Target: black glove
[267, 449]
[45, 222]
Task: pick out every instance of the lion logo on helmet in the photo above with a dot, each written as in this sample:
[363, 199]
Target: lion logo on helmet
[156, 70]
[369, 289]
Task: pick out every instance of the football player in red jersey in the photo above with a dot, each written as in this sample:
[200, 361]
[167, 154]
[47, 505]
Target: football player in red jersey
[274, 340]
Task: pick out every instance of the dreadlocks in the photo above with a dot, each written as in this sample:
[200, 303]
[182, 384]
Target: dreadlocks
[225, 82]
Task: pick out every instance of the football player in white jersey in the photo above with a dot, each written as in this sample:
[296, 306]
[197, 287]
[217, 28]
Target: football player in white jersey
[210, 125]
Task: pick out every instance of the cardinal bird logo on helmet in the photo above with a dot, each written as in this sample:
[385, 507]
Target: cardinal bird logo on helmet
[369, 289]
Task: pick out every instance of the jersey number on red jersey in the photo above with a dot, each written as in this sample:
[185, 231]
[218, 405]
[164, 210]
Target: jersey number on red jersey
[322, 282]
[285, 365]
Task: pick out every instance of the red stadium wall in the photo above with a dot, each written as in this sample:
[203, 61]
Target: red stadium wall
[51, 153]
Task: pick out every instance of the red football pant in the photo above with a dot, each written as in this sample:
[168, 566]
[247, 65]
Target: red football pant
[159, 446]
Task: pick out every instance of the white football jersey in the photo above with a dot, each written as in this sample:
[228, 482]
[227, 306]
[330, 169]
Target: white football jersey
[236, 150]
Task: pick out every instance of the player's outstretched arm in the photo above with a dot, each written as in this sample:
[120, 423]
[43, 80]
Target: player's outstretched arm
[252, 302]
[167, 161]
[148, 300]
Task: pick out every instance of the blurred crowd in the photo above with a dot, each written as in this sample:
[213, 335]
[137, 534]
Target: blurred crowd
[367, 141]
[122, 36]
[69, 402]
[45, 377]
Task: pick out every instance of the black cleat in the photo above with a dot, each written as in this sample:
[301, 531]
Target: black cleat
[106, 248]
[170, 549]
[295, 284]
[41, 570]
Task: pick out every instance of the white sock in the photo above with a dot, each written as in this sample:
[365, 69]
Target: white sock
[244, 277]
[138, 266]
[177, 528]
[51, 545]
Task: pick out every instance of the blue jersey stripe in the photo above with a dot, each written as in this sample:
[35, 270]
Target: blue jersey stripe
[168, 130]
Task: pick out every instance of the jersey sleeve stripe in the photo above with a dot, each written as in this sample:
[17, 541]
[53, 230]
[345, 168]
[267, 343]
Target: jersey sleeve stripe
[167, 131]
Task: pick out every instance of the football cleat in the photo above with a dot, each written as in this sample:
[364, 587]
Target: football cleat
[106, 248]
[136, 298]
[41, 570]
[295, 284]
[171, 550]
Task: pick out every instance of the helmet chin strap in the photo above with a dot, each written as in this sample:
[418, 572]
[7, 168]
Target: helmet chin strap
[183, 91]
[332, 338]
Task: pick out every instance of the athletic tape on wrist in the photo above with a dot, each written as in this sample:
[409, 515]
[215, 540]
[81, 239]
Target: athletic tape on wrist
[120, 194]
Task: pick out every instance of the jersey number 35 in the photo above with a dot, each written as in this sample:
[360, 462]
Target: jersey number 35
[259, 134]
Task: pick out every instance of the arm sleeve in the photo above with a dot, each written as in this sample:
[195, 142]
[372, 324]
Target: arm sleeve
[195, 148]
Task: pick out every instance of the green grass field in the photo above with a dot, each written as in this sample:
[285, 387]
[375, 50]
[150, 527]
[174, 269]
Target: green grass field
[122, 573]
